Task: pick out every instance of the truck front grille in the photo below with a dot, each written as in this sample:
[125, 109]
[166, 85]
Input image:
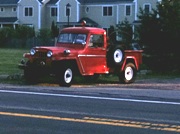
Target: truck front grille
[41, 54]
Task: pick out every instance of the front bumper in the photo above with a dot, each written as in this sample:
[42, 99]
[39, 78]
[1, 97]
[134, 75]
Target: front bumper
[35, 64]
[42, 67]
[22, 66]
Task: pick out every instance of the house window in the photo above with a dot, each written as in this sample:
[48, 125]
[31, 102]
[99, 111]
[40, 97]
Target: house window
[28, 11]
[53, 11]
[2, 9]
[87, 9]
[14, 9]
[107, 11]
[147, 8]
[128, 10]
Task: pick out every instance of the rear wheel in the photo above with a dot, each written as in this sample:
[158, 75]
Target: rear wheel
[129, 74]
[66, 77]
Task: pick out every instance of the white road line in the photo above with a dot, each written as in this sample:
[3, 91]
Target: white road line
[90, 97]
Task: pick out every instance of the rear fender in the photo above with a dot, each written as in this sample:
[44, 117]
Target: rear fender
[130, 59]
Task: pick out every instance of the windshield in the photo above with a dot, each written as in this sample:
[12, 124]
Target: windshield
[72, 38]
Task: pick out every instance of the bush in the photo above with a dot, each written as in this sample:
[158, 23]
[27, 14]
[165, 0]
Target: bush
[44, 37]
[24, 37]
[24, 33]
[166, 63]
[5, 35]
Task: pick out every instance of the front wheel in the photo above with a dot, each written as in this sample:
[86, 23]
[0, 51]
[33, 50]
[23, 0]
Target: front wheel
[129, 74]
[31, 76]
[66, 77]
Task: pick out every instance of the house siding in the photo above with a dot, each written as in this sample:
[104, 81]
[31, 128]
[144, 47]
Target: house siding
[8, 11]
[122, 13]
[48, 18]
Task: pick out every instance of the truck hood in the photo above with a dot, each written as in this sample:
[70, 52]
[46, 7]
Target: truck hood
[57, 49]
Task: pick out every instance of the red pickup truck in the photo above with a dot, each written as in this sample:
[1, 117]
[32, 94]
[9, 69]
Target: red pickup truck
[81, 51]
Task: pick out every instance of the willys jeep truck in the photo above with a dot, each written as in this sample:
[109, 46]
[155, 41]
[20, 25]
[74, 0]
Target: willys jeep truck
[81, 51]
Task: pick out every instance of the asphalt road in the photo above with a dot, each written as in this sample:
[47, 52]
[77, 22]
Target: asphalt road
[88, 110]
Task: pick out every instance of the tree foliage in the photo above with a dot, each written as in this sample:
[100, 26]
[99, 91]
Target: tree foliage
[44, 35]
[54, 30]
[112, 34]
[5, 35]
[124, 30]
[160, 33]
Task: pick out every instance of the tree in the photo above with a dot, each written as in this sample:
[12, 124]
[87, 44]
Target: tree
[169, 18]
[159, 32]
[112, 34]
[124, 30]
[54, 30]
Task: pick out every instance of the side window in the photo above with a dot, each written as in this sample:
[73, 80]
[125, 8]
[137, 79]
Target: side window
[96, 40]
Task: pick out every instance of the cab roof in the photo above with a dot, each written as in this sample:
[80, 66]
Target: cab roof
[83, 30]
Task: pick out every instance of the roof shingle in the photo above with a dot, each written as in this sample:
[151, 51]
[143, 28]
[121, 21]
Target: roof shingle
[102, 1]
[93, 1]
[52, 1]
[8, 19]
[8, 2]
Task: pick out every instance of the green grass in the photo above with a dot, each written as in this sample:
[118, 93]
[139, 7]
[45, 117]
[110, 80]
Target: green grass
[9, 60]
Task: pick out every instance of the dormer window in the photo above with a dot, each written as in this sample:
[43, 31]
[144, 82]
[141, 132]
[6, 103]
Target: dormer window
[28, 11]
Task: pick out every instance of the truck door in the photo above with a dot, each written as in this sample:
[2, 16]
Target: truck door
[94, 58]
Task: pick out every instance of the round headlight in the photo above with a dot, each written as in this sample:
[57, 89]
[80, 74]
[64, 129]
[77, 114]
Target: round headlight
[49, 54]
[32, 51]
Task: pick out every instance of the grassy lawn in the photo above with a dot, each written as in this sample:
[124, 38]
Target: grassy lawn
[9, 60]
